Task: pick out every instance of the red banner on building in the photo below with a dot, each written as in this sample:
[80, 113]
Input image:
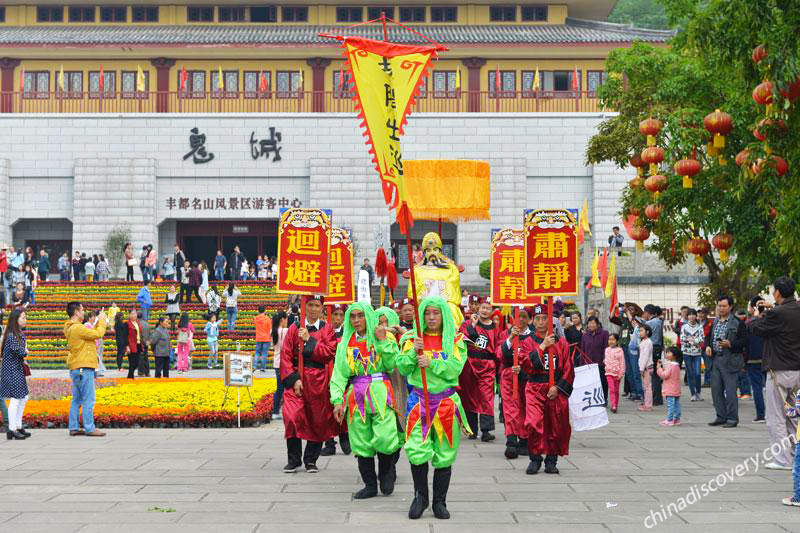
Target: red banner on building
[508, 269]
[551, 252]
[304, 249]
[341, 286]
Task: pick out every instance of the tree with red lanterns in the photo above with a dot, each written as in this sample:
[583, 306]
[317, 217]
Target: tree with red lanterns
[710, 129]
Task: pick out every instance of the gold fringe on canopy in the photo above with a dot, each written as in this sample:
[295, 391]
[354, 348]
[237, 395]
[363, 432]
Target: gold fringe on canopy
[453, 190]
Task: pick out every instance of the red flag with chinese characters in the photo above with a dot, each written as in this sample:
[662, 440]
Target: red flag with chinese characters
[575, 84]
[497, 83]
[22, 81]
[262, 85]
[184, 77]
[341, 286]
[304, 250]
[551, 252]
[508, 269]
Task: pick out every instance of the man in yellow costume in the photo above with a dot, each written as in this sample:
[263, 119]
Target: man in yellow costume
[438, 276]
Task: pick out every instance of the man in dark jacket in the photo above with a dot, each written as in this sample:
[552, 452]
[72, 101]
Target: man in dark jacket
[780, 329]
[159, 341]
[177, 259]
[725, 345]
[235, 264]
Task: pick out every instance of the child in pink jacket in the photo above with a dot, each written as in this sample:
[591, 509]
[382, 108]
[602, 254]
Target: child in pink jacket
[670, 373]
[614, 362]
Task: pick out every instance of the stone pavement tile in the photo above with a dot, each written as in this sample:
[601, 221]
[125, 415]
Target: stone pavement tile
[7, 516]
[132, 526]
[671, 526]
[774, 513]
[409, 526]
[466, 517]
[727, 494]
[310, 517]
[442, 526]
[9, 497]
[51, 506]
[173, 464]
[644, 508]
[50, 488]
[162, 496]
[602, 494]
[190, 507]
[587, 517]
[58, 518]
[316, 498]
[45, 528]
[50, 463]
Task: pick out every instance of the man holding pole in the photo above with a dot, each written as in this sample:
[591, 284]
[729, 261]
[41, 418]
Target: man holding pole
[336, 316]
[476, 384]
[432, 430]
[365, 358]
[550, 375]
[514, 397]
[307, 413]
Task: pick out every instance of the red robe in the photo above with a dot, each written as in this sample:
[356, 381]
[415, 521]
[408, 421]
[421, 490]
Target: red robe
[513, 408]
[547, 421]
[476, 383]
[309, 416]
[337, 338]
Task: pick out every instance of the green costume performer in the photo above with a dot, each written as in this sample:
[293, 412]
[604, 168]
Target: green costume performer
[398, 380]
[364, 362]
[446, 354]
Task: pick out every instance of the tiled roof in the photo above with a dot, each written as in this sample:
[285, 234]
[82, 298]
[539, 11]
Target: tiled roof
[574, 31]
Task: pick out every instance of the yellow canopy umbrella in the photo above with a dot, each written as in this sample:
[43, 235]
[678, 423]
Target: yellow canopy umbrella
[447, 189]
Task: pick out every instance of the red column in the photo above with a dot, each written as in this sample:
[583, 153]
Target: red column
[474, 65]
[7, 66]
[163, 66]
[318, 66]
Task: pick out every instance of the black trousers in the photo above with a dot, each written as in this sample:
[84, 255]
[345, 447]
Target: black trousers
[184, 290]
[603, 380]
[144, 364]
[480, 421]
[133, 364]
[162, 366]
[129, 275]
[196, 292]
[724, 384]
[657, 398]
[120, 356]
[294, 449]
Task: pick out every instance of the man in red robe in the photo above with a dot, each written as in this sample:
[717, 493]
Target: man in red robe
[476, 383]
[337, 321]
[514, 407]
[550, 376]
[307, 411]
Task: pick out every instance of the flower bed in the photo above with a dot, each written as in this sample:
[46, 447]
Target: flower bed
[153, 403]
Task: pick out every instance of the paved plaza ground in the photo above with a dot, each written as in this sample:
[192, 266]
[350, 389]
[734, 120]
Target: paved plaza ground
[199, 480]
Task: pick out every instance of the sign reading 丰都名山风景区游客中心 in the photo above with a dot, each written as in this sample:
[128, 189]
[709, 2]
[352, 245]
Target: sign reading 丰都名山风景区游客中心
[232, 203]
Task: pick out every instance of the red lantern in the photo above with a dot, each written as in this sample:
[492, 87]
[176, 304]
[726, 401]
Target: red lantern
[650, 127]
[792, 92]
[765, 124]
[687, 168]
[699, 247]
[718, 124]
[723, 243]
[762, 94]
[656, 184]
[635, 211]
[741, 157]
[653, 155]
[778, 163]
[759, 53]
[639, 234]
[636, 182]
[636, 161]
[652, 211]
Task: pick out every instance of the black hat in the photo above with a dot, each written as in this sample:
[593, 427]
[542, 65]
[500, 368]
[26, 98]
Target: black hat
[539, 309]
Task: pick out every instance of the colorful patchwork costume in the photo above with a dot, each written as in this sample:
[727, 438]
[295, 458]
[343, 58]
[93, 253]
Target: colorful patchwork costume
[361, 381]
[438, 444]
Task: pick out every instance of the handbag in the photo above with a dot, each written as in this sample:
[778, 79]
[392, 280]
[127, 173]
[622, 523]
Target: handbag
[183, 337]
[26, 369]
[131, 262]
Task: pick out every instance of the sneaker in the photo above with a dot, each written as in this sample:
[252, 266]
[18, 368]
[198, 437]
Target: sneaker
[693, 398]
[290, 468]
[95, 433]
[759, 420]
[666, 422]
[311, 468]
[791, 501]
[645, 409]
[276, 416]
[676, 422]
[775, 466]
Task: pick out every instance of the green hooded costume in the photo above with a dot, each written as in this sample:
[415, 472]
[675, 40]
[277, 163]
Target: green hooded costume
[448, 354]
[365, 364]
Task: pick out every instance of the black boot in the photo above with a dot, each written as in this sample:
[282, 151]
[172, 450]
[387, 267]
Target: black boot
[441, 482]
[536, 464]
[522, 447]
[550, 464]
[16, 435]
[511, 447]
[487, 437]
[420, 475]
[386, 473]
[344, 442]
[329, 448]
[366, 466]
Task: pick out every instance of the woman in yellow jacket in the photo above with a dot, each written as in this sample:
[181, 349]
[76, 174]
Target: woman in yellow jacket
[82, 364]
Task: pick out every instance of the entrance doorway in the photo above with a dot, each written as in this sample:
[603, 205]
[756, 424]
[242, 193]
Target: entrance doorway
[200, 239]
